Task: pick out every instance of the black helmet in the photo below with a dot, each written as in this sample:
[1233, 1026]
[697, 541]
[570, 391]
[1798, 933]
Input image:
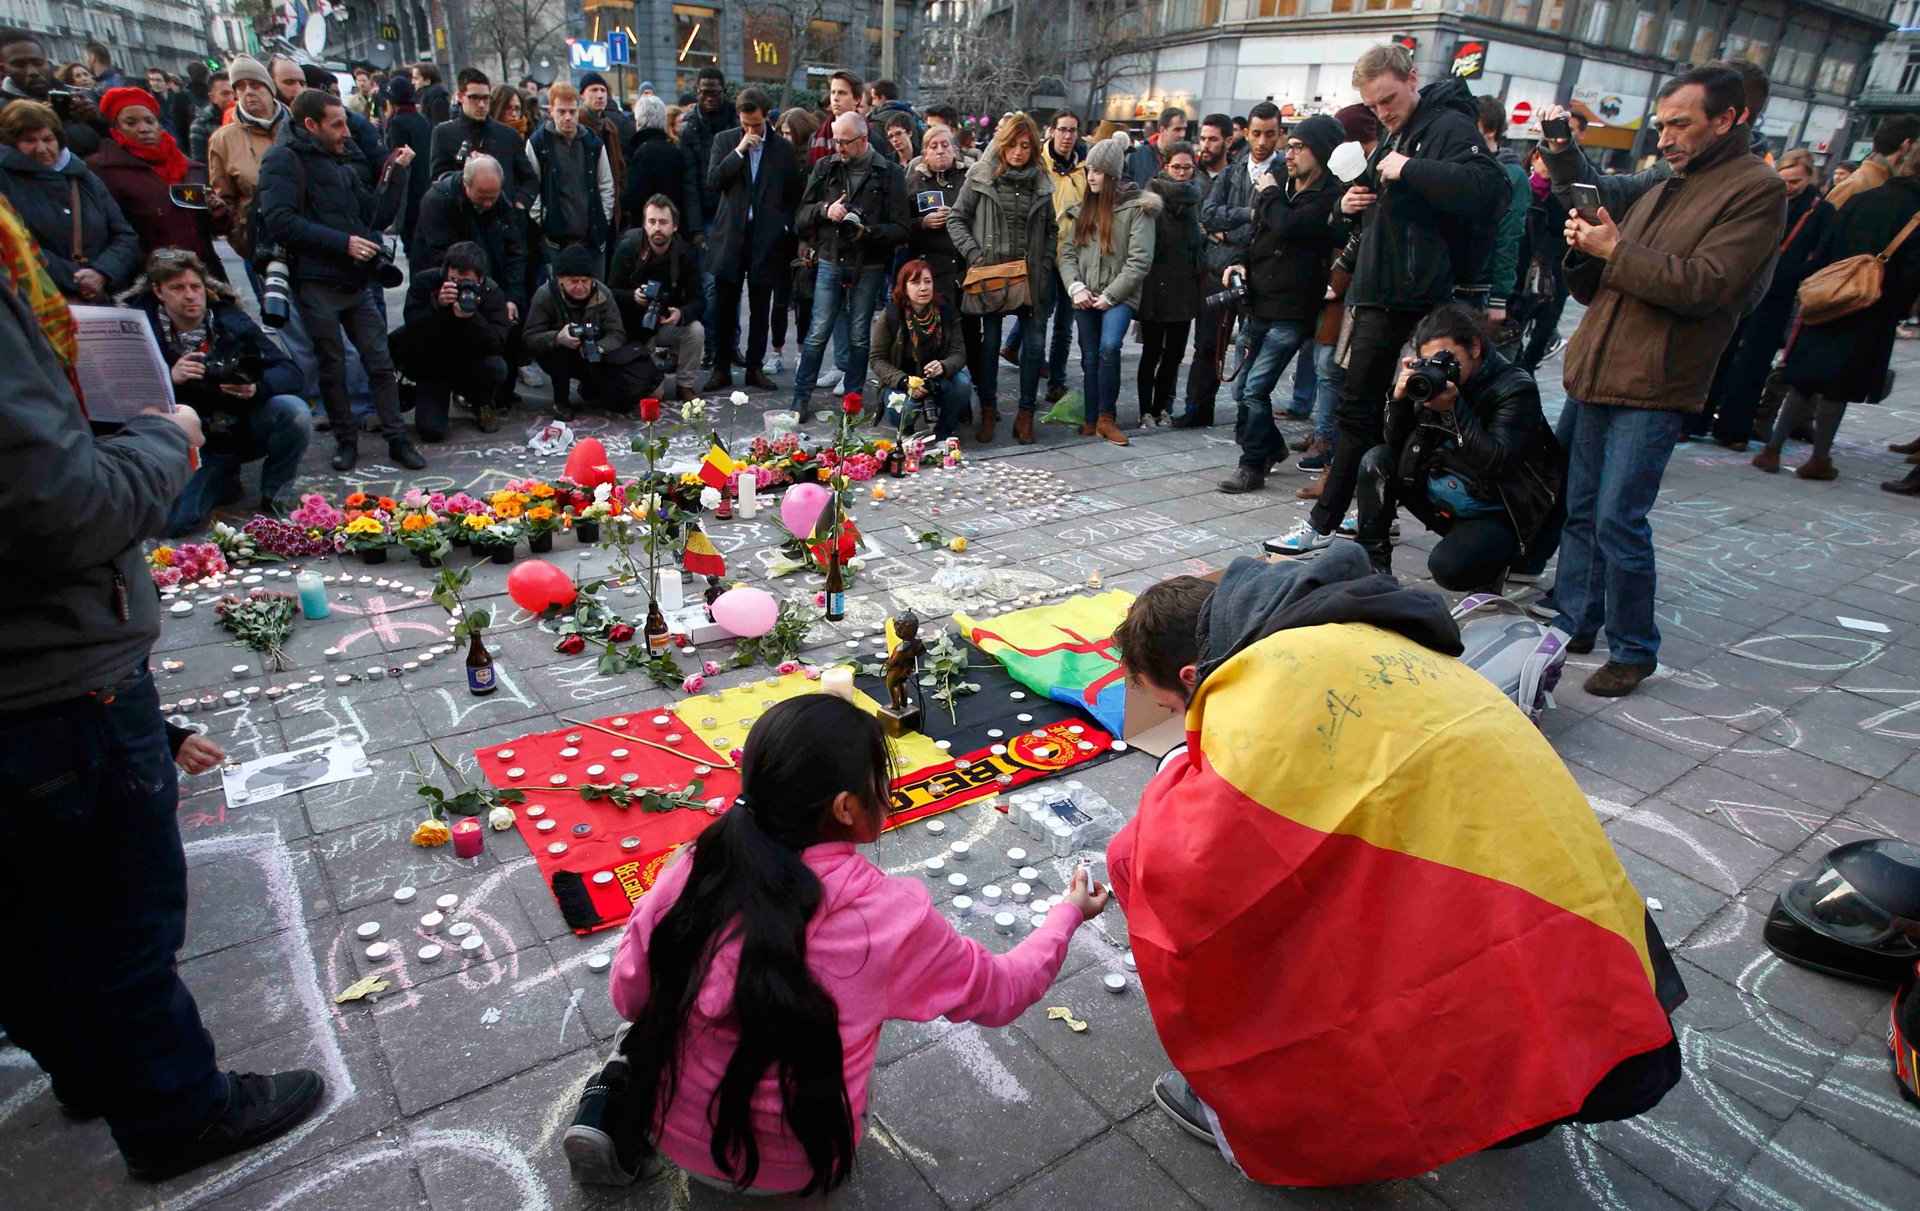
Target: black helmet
[1855, 914]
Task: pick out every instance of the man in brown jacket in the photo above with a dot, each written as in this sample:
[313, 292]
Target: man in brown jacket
[234, 151]
[1663, 290]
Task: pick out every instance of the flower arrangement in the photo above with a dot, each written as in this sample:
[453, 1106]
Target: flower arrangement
[315, 513]
[184, 564]
[239, 546]
[288, 539]
[424, 533]
[262, 621]
[368, 535]
[541, 522]
[468, 800]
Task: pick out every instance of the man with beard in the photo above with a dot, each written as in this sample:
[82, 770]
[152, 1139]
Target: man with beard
[29, 76]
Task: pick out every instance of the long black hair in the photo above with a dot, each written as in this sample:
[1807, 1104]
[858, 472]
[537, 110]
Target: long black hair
[748, 883]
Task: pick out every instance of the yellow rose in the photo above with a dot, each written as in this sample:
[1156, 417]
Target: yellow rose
[432, 832]
[957, 545]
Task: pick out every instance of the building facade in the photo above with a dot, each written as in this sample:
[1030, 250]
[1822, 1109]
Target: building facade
[140, 33]
[1893, 83]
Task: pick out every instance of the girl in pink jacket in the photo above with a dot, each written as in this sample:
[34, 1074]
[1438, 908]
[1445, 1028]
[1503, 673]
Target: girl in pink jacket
[758, 971]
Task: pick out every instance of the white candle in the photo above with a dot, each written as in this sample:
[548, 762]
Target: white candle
[838, 681]
[749, 502]
[667, 590]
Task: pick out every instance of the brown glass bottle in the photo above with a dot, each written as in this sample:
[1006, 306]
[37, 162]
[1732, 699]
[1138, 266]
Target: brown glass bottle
[656, 630]
[480, 678]
[836, 581]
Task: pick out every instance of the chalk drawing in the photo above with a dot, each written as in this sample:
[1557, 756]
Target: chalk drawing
[1754, 649]
[967, 1043]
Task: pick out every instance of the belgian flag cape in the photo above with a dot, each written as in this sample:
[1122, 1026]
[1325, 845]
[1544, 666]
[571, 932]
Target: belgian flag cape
[1377, 924]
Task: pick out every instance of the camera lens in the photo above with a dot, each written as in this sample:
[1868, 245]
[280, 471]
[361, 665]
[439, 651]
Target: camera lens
[276, 296]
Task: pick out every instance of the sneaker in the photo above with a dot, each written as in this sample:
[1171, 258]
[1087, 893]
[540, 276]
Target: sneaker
[1177, 1098]
[258, 1109]
[1243, 480]
[1350, 526]
[1316, 457]
[830, 381]
[1190, 420]
[1559, 343]
[530, 377]
[1542, 608]
[1303, 539]
[1616, 680]
[484, 417]
[771, 366]
[591, 1152]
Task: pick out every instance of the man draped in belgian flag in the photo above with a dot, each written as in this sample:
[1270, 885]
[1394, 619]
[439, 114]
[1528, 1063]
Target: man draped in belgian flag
[1377, 924]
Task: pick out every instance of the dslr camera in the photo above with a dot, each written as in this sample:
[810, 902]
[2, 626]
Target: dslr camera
[855, 222]
[588, 335]
[232, 371]
[649, 293]
[1232, 296]
[1431, 375]
[467, 296]
[385, 272]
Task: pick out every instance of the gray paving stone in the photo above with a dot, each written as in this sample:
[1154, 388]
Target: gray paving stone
[372, 1174]
[1763, 814]
[1115, 1061]
[1810, 1164]
[1566, 1169]
[1112, 1172]
[1693, 845]
[1860, 1097]
[1206, 1175]
[1637, 761]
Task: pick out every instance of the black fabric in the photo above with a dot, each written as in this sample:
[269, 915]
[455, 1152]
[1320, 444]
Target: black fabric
[656, 166]
[1847, 358]
[412, 130]
[1162, 344]
[1256, 599]
[447, 218]
[698, 130]
[576, 906]
[496, 139]
[232, 335]
[569, 187]
[935, 244]
[677, 269]
[1174, 287]
[365, 149]
[1373, 360]
[877, 189]
[433, 343]
[1291, 253]
[763, 247]
[311, 207]
[44, 197]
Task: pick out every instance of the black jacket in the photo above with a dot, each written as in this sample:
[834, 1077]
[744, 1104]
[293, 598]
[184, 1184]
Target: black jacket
[410, 129]
[678, 270]
[496, 139]
[935, 244]
[1432, 231]
[447, 217]
[1174, 289]
[365, 148]
[1847, 358]
[179, 109]
[44, 199]
[83, 138]
[655, 165]
[1291, 252]
[232, 336]
[1496, 438]
[1227, 210]
[436, 103]
[881, 195]
[764, 247]
[311, 201]
[206, 120]
[697, 134]
[432, 340]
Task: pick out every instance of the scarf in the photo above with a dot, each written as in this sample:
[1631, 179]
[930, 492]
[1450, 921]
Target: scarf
[26, 275]
[925, 341]
[167, 160]
[266, 124]
[1061, 167]
[186, 340]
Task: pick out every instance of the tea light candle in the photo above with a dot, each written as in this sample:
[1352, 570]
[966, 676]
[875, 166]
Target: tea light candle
[1129, 961]
[963, 906]
[604, 876]
[1003, 922]
[936, 868]
[411, 666]
[505, 754]
[426, 658]
[545, 826]
[404, 895]
[378, 951]
[673, 738]
[446, 903]
[960, 850]
[344, 679]
[618, 754]
[1029, 874]
[599, 962]
[250, 692]
[594, 771]
[430, 953]
[375, 672]
[1017, 857]
[620, 721]
[956, 882]
[208, 702]
[573, 737]
[629, 779]
[240, 672]
[661, 723]
[472, 944]
[569, 754]
[558, 847]
[231, 697]
[1021, 893]
[468, 840]
[516, 773]
[629, 844]
[837, 681]
[459, 929]
[181, 607]
[557, 780]
[1114, 981]
[369, 931]
[990, 894]
[1036, 920]
[432, 922]
[534, 812]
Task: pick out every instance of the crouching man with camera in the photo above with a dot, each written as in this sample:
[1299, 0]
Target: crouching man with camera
[454, 340]
[318, 210]
[656, 281]
[244, 388]
[575, 331]
[1468, 452]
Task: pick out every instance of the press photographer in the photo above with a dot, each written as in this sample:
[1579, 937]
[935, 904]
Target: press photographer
[29, 77]
[1467, 451]
[454, 341]
[244, 388]
[656, 283]
[575, 331]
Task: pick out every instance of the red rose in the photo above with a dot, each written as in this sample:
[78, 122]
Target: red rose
[850, 403]
[799, 456]
[649, 409]
[571, 645]
[620, 632]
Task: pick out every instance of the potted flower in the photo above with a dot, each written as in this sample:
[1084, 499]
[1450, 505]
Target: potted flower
[457, 508]
[496, 540]
[368, 535]
[425, 535]
[540, 522]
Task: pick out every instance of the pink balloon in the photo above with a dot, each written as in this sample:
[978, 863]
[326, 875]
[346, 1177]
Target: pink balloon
[801, 508]
[536, 585]
[746, 612]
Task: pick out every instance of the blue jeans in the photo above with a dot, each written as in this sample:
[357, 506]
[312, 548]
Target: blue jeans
[1101, 335]
[1060, 311]
[1607, 567]
[836, 292]
[986, 367]
[1306, 384]
[91, 991]
[1271, 344]
[1329, 378]
[278, 431]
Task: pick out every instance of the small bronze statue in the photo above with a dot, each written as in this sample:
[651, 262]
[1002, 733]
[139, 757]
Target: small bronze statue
[902, 664]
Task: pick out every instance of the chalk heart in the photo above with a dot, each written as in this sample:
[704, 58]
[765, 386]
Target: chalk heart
[746, 611]
[801, 508]
[588, 464]
[537, 585]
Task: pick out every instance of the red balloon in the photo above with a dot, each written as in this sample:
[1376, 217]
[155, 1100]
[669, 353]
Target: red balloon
[588, 464]
[536, 585]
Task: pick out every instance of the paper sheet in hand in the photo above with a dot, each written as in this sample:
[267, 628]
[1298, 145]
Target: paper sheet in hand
[119, 364]
[264, 778]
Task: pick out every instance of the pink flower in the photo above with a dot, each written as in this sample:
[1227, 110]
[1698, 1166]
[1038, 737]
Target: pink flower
[812, 671]
[437, 502]
[414, 498]
[734, 755]
[819, 601]
[711, 668]
[694, 684]
[166, 578]
[788, 667]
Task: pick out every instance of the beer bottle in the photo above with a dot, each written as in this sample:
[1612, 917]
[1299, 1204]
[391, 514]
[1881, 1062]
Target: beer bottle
[656, 630]
[836, 581]
[897, 463]
[480, 678]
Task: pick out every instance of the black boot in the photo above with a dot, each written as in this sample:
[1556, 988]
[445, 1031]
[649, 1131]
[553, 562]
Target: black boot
[1243, 479]
[346, 456]
[258, 1109]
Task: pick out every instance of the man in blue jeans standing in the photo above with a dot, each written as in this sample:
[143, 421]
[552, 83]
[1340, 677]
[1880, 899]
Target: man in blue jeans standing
[1663, 290]
[854, 213]
[1285, 270]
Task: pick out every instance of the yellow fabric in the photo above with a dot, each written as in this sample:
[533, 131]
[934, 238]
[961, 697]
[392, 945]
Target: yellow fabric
[735, 711]
[1351, 729]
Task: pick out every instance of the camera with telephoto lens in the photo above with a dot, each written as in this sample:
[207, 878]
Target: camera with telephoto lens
[232, 371]
[276, 291]
[855, 221]
[1430, 376]
[588, 335]
[1233, 295]
[466, 296]
[649, 296]
[385, 272]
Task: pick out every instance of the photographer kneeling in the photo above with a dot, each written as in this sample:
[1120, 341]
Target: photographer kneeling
[656, 281]
[574, 331]
[244, 388]
[454, 340]
[916, 348]
[1468, 452]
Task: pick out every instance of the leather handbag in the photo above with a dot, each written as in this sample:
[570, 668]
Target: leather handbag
[1849, 285]
[995, 289]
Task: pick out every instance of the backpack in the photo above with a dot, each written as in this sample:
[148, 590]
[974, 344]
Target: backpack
[1522, 657]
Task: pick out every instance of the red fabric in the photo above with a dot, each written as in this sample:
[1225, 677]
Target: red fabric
[1356, 1014]
[126, 96]
[142, 195]
[167, 160]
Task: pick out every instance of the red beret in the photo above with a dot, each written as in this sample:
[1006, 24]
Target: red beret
[117, 99]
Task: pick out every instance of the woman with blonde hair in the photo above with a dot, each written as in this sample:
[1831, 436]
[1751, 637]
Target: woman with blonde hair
[673, 124]
[1005, 214]
[1105, 255]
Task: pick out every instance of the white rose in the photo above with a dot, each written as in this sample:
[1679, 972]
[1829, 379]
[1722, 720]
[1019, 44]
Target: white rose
[709, 498]
[738, 398]
[500, 819]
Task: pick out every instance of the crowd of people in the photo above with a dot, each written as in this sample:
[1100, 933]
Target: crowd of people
[1398, 254]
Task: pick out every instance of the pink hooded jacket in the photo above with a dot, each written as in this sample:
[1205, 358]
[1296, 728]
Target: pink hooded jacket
[880, 949]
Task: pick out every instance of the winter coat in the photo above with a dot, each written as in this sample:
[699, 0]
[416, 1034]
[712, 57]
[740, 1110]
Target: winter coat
[434, 341]
[312, 201]
[206, 120]
[82, 138]
[436, 103]
[893, 362]
[615, 136]
[1496, 439]
[497, 139]
[935, 244]
[698, 130]
[593, 186]
[1503, 266]
[655, 165]
[231, 335]
[1144, 164]
[1291, 253]
[677, 270]
[365, 149]
[1120, 273]
[1847, 358]
[1174, 289]
[1228, 211]
[980, 227]
[881, 196]
[233, 169]
[1874, 171]
[761, 248]
[144, 200]
[551, 310]
[44, 199]
[447, 217]
[1662, 308]
[1068, 186]
[1431, 232]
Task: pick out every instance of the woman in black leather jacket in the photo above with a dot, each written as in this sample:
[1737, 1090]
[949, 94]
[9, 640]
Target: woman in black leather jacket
[1476, 461]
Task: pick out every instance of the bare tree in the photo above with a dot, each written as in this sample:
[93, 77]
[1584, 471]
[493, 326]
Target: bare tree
[1087, 45]
[1108, 40]
[791, 20]
[516, 31]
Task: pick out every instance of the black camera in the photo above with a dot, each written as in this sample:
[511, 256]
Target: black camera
[589, 337]
[385, 272]
[1232, 296]
[232, 371]
[1431, 375]
[276, 290]
[649, 296]
[856, 221]
[467, 296]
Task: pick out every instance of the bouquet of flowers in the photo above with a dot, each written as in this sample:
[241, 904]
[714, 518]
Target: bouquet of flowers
[367, 533]
[184, 564]
[359, 504]
[261, 620]
[238, 545]
[290, 540]
[424, 533]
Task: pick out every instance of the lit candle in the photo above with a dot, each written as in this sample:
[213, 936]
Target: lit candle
[879, 491]
[838, 681]
[468, 840]
[313, 595]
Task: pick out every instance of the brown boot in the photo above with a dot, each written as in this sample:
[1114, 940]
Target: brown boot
[1088, 428]
[1023, 427]
[1768, 459]
[1910, 486]
[1312, 490]
[989, 419]
[1817, 468]
[1616, 680]
[1912, 447]
[1107, 429]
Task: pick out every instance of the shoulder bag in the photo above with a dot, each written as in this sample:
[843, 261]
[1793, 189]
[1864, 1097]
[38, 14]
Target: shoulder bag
[1850, 285]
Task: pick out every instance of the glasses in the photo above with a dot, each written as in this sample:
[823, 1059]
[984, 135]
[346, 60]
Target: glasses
[480, 98]
[1180, 170]
[170, 254]
[856, 140]
[1295, 146]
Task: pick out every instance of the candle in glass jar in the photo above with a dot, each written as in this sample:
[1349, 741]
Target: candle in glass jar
[468, 840]
[313, 595]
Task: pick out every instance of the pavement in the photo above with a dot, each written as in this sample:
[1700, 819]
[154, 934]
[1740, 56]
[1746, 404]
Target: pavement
[1772, 733]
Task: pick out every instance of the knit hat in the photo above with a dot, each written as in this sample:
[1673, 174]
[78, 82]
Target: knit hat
[319, 77]
[573, 261]
[1109, 156]
[1359, 123]
[245, 67]
[124, 97]
[592, 78]
[1321, 134]
[400, 91]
